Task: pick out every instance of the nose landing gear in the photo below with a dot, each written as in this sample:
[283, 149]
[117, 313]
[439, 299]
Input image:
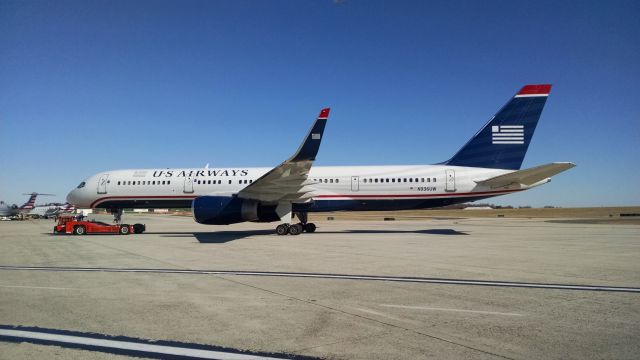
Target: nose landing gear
[117, 215]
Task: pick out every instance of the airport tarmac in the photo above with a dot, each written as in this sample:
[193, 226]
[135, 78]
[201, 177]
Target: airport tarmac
[418, 289]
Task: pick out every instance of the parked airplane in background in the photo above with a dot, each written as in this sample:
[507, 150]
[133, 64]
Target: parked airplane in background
[9, 211]
[487, 165]
[51, 210]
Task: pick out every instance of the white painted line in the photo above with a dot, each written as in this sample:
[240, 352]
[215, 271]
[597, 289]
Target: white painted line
[132, 346]
[36, 287]
[449, 309]
[368, 311]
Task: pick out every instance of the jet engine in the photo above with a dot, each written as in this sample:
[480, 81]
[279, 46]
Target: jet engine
[224, 210]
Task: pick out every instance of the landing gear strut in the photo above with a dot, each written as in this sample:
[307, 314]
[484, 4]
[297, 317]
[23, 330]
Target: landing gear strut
[117, 215]
[296, 229]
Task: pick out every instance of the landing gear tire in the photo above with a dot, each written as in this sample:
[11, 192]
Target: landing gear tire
[295, 229]
[79, 230]
[310, 227]
[282, 229]
[124, 230]
[139, 228]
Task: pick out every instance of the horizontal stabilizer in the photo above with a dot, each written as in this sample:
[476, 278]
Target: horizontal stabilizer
[527, 176]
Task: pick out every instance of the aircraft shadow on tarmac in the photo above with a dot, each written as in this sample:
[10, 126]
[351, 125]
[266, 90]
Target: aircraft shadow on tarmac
[220, 237]
[217, 237]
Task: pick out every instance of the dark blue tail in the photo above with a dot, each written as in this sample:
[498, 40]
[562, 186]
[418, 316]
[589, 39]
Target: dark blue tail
[504, 140]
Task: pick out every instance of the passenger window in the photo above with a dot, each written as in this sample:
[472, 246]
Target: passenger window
[386, 180]
[336, 181]
[169, 182]
[428, 179]
[422, 180]
[219, 181]
[365, 181]
[163, 183]
[410, 179]
[154, 183]
[434, 179]
[250, 181]
[118, 182]
[229, 181]
[393, 180]
[331, 181]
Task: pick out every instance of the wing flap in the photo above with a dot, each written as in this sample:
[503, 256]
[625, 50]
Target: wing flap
[527, 176]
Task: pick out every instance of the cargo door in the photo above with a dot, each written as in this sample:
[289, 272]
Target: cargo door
[102, 183]
[450, 180]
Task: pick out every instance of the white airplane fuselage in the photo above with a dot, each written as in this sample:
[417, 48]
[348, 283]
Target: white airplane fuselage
[335, 188]
[488, 165]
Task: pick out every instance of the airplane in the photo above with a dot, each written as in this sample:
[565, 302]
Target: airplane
[487, 165]
[50, 210]
[7, 211]
[12, 211]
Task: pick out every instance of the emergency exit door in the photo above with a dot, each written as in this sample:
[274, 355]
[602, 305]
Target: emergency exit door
[450, 184]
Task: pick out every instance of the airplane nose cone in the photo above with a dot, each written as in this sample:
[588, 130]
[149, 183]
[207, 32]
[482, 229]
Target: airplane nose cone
[72, 197]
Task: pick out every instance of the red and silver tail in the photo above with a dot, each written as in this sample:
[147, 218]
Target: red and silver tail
[31, 203]
[68, 208]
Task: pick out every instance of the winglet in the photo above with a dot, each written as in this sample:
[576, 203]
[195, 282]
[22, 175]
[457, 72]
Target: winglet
[309, 148]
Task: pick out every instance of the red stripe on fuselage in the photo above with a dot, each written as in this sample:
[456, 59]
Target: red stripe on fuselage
[353, 196]
[417, 195]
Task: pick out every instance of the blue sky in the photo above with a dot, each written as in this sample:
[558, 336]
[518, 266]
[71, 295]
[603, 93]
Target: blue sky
[89, 86]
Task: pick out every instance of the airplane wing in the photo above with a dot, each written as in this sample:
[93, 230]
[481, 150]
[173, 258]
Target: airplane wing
[527, 176]
[288, 181]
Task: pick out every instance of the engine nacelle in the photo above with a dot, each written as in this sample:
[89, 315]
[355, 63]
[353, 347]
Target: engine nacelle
[224, 210]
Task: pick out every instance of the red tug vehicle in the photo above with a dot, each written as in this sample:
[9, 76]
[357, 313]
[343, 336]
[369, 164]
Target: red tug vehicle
[70, 225]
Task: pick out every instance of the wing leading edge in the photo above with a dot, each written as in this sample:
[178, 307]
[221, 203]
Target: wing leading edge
[288, 182]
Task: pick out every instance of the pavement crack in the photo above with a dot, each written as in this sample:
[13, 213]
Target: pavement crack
[334, 309]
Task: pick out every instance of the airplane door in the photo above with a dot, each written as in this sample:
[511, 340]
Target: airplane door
[355, 183]
[451, 180]
[102, 184]
[188, 185]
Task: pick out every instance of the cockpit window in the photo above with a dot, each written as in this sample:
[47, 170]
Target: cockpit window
[82, 184]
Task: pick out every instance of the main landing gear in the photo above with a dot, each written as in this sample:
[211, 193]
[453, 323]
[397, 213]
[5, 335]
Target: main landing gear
[296, 229]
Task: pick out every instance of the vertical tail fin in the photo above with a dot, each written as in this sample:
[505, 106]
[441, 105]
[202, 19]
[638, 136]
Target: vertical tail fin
[31, 203]
[503, 142]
